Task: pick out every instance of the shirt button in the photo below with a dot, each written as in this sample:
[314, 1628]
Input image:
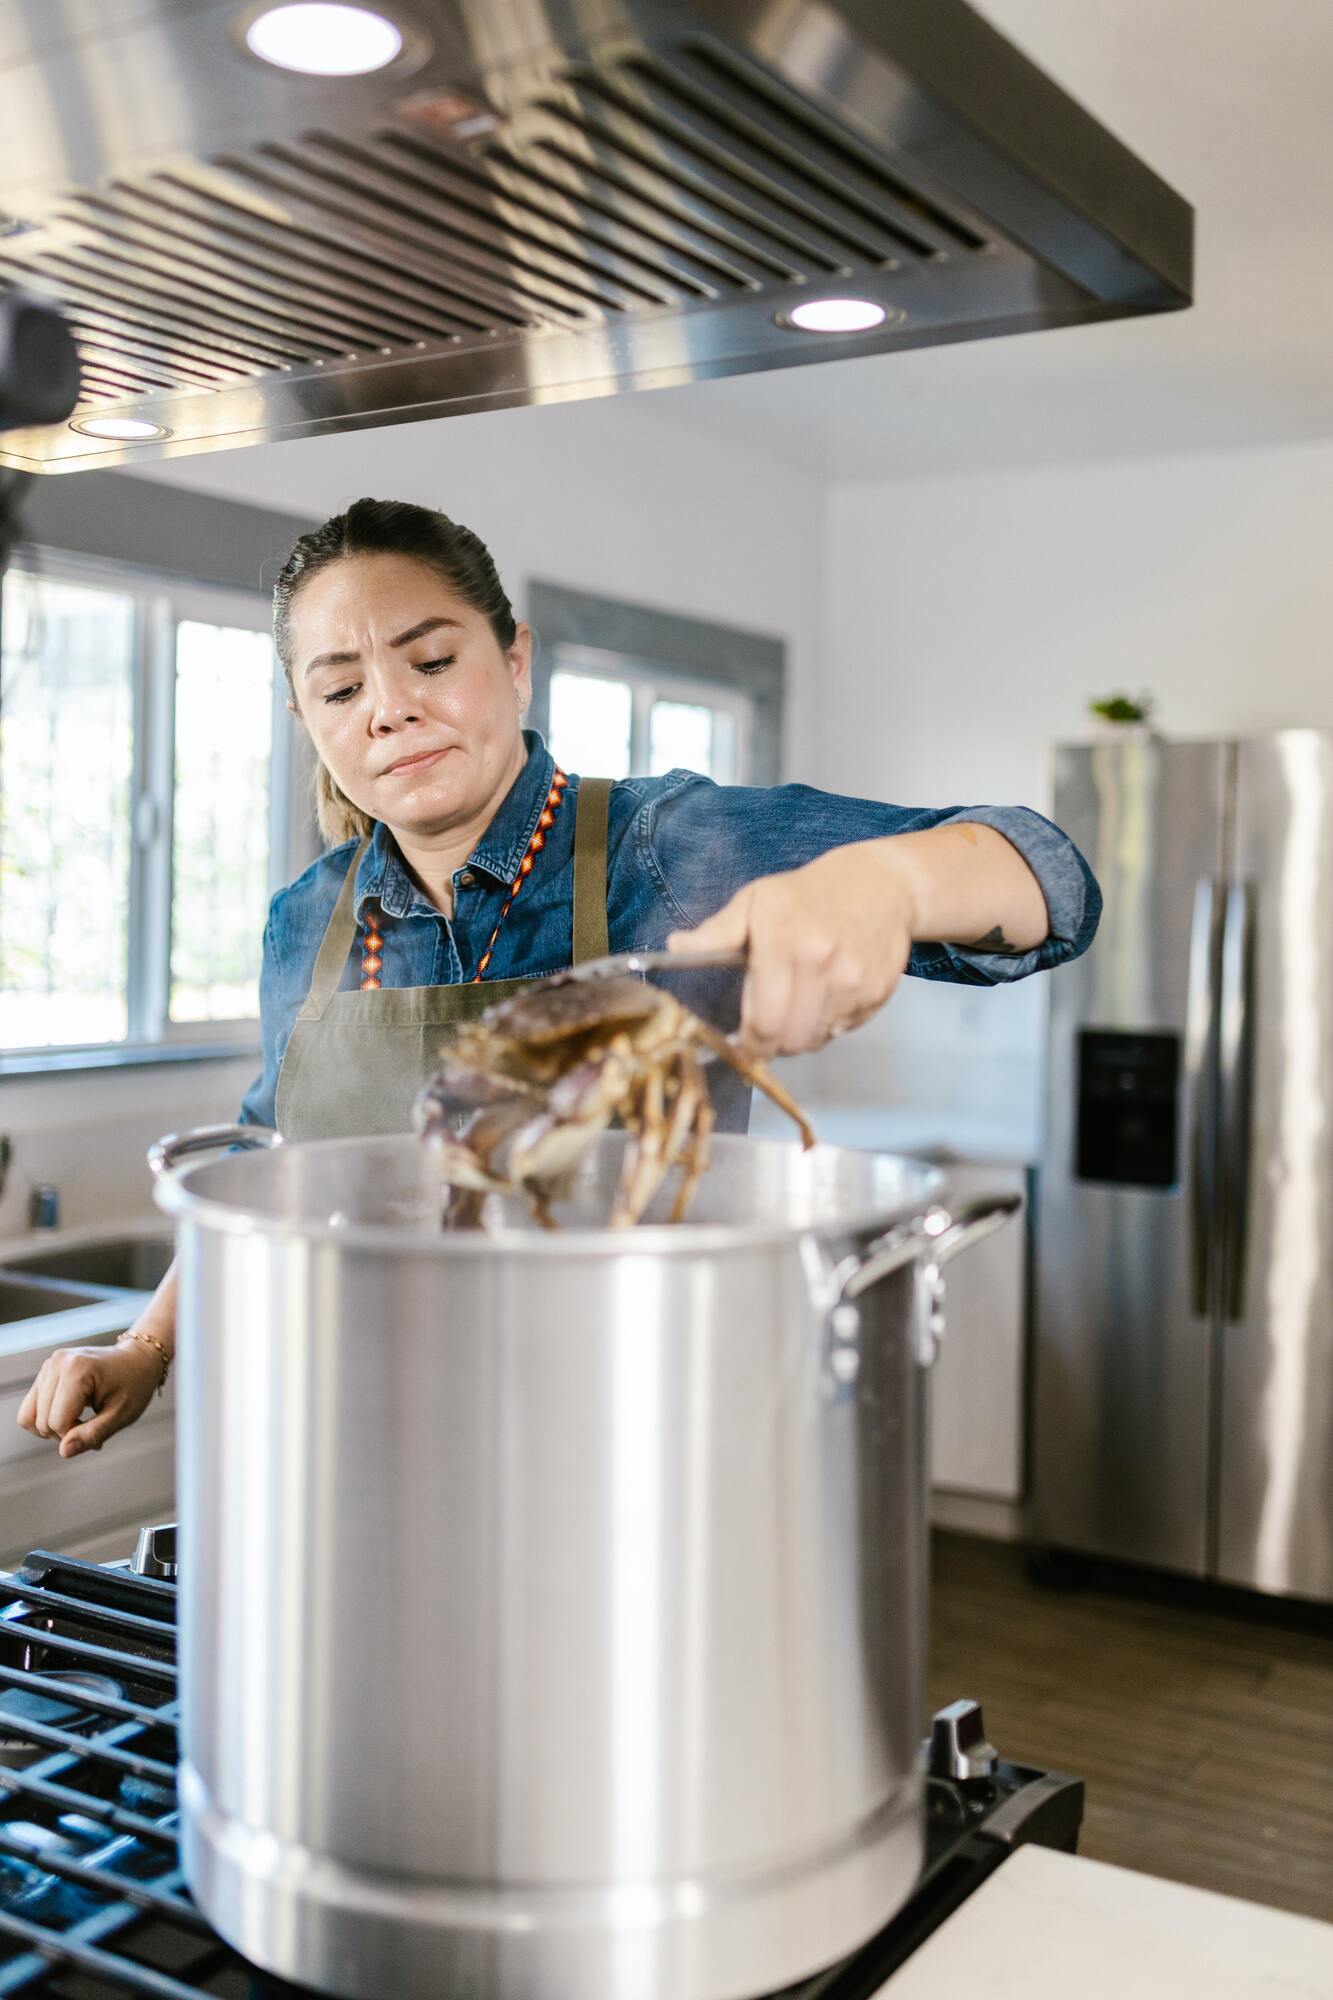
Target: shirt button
[466, 879]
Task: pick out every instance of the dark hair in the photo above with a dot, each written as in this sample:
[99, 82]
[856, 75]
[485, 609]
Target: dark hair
[386, 528]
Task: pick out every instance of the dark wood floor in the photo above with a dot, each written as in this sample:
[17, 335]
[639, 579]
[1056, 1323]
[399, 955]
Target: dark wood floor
[1205, 1735]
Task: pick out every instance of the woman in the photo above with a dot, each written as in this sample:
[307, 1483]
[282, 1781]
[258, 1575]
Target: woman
[463, 862]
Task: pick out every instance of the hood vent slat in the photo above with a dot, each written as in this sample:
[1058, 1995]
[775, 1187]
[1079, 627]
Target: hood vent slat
[702, 154]
[790, 130]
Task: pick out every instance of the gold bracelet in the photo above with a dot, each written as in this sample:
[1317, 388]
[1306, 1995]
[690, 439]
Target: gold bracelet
[150, 1340]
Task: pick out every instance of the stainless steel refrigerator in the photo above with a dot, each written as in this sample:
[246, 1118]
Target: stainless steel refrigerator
[1183, 1389]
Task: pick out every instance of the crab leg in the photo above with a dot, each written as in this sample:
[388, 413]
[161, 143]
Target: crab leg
[757, 1073]
[694, 1089]
[539, 1201]
[684, 1083]
[646, 1157]
[463, 1207]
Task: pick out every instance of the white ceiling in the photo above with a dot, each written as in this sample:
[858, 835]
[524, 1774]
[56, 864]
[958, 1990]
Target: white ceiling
[1232, 102]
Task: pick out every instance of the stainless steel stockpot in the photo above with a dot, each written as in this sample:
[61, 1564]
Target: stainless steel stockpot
[553, 1606]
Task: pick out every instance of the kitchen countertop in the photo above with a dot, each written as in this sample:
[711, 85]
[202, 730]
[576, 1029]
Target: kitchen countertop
[1048, 1926]
[941, 1135]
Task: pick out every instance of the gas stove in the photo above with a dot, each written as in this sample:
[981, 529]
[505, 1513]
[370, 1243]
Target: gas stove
[92, 1900]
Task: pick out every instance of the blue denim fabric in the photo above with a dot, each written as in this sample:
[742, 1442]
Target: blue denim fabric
[678, 848]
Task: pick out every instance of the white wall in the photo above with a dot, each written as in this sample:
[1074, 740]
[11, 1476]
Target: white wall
[596, 496]
[970, 618]
[590, 495]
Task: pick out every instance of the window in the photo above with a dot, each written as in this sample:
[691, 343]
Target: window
[620, 688]
[143, 807]
[610, 716]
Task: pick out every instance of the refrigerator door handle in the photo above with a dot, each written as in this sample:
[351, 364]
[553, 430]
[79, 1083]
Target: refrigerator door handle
[1235, 1045]
[1200, 1055]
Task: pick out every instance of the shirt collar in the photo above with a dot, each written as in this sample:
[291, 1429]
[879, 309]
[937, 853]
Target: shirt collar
[383, 877]
[501, 848]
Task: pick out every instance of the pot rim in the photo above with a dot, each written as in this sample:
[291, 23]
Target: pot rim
[174, 1195]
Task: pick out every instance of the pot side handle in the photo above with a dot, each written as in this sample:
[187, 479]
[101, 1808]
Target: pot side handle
[972, 1224]
[178, 1146]
[937, 1237]
[929, 1241]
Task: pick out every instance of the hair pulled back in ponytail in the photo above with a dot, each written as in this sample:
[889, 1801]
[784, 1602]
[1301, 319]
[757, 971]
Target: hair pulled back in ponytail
[386, 528]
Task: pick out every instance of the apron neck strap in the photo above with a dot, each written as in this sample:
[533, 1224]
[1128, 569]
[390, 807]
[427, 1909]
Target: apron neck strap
[591, 936]
[591, 810]
[338, 940]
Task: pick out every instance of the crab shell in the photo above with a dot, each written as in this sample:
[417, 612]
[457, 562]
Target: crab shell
[558, 1010]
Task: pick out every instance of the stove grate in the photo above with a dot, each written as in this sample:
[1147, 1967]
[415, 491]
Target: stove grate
[92, 1900]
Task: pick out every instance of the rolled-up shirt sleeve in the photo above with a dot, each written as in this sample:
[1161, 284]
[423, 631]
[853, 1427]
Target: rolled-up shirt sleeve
[1073, 902]
[704, 842]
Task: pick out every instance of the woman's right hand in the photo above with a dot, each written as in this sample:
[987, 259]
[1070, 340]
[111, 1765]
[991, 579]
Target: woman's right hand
[118, 1383]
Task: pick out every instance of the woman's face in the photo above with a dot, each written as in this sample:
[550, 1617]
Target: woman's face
[407, 694]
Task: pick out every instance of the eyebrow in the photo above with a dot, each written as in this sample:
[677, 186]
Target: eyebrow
[418, 631]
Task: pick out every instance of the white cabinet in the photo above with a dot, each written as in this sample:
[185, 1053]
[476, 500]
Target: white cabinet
[977, 1391]
[93, 1505]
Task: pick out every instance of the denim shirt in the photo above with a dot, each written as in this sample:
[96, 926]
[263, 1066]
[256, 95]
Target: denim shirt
[678, 848]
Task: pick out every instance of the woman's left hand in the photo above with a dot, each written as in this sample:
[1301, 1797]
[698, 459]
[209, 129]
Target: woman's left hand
[827, 945]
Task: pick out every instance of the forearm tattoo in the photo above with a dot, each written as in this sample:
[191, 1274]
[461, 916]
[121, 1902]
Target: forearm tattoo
[996, 941]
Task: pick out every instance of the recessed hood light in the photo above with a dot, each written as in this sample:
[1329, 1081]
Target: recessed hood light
[837, 316]
[120, 430]
[325, 39]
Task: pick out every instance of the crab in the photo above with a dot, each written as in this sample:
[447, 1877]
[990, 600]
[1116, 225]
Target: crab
[524, 1091]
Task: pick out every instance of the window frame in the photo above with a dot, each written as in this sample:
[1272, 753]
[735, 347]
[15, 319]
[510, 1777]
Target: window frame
[648, 684]
[163, 601]
[665, 645]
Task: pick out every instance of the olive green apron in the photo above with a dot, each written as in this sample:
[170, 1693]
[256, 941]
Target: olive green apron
[355, 1061]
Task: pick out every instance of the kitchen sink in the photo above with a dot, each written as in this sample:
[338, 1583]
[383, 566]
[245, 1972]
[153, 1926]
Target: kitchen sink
[127, 1263]
[20, 1300]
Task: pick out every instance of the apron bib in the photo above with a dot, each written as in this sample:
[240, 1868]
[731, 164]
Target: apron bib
[355, 1061]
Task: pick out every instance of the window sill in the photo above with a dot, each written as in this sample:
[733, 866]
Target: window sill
[49, 1062]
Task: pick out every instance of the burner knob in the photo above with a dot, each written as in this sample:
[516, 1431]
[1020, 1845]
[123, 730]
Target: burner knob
[958, 1746]
[155, 1553]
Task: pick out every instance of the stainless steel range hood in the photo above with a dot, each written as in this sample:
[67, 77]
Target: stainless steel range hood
[539, 200]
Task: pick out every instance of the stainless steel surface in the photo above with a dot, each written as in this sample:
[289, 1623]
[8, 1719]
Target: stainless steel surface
[958, 1744]
[155, 1551]
[1275, 1428]
[136, 1261]
[598, 1506]
[1201, 1040]
[1192, 1424]
[538, 203]
[1235, 1050]
[22, 1299]
[619, 962]
[1121, 1417]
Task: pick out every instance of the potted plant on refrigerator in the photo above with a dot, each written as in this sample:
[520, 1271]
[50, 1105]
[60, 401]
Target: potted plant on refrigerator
[1123, 716]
